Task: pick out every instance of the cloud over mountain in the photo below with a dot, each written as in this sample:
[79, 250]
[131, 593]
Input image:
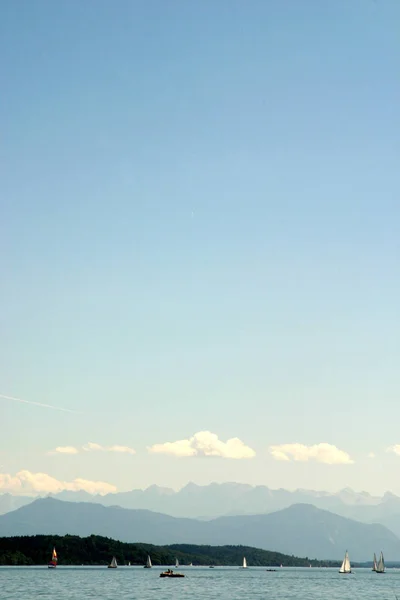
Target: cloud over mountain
[205, 443]
[25, 482]
[323, 453]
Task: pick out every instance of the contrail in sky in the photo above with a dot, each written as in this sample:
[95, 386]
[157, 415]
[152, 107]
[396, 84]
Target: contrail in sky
[38, 404]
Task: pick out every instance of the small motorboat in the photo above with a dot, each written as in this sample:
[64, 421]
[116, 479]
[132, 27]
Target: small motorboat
[271, 570]
[171, 573]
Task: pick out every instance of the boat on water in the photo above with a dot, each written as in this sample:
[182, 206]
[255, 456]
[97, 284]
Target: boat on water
[53, 562]
[148, 564]
[381, 564]
[244, 565]
[171, 573]
[211, 567]
[346, 567]
[113, 563]
[129, 563]
[176, 563]
[190, 564]
[375, 564]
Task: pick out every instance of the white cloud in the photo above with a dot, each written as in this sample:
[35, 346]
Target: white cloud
[92, 447]
[205, 443]
[395, 449]
[371, 455]
[323, 453]
[65, 450]
[25, 482]
[121, 449]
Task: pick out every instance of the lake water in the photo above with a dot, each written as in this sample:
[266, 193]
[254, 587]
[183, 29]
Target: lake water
[225, 583]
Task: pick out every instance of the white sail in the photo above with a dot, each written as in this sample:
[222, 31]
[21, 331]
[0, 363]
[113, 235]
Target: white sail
[346, 567]
[176, 563]
[114, 562]
[374, 566]
[148, 563]
[244, 563]
[381, 564]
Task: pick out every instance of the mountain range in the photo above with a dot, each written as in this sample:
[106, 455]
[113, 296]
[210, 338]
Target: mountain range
[301, 529]
[225, 499]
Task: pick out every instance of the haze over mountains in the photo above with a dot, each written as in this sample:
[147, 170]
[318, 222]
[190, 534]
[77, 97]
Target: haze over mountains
[301, 529]
[235, 499]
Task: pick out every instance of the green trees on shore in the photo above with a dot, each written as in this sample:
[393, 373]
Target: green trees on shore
[97, 550]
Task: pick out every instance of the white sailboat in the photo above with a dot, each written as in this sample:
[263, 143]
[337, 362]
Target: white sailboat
[381, 564]
[346, 567]
[374, 566]
[113, 563]
[148, 564]
[176, 563]
[244, 566]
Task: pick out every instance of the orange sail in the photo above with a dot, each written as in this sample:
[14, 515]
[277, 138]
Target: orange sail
[53, 562]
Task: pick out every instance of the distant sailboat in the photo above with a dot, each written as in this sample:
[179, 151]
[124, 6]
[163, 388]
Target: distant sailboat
[346, 567]
[374, 566]
[113, 563]
[381, 564]
[176, 563]
[53, 563]
[244, 566]
[148, 564]
[191, 565]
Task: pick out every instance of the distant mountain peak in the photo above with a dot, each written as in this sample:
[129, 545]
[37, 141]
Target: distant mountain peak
[301, 529]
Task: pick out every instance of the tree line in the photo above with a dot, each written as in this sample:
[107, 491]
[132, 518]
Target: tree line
[98, 550]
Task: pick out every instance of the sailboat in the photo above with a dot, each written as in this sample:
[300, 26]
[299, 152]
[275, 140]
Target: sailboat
[53, 563]
[346, 567]
[381, 564]
[244, 566]
[113, 563]
[148, 564]
[176, 563]
[129, 563]
[374, 566]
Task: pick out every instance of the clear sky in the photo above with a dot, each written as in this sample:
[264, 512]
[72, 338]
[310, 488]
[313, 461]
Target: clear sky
[200, 233]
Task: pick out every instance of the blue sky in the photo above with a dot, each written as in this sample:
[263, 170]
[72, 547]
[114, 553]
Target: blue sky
[199, 232]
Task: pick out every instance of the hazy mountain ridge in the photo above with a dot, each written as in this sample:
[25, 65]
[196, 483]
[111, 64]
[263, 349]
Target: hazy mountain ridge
[301, 530]
[214, 500]
[9, 502]
[219, 499]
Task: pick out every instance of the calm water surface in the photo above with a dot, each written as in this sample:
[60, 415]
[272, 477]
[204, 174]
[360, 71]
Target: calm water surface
[134, 583]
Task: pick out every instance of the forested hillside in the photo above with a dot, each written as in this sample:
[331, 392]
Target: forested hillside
[97, 550]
